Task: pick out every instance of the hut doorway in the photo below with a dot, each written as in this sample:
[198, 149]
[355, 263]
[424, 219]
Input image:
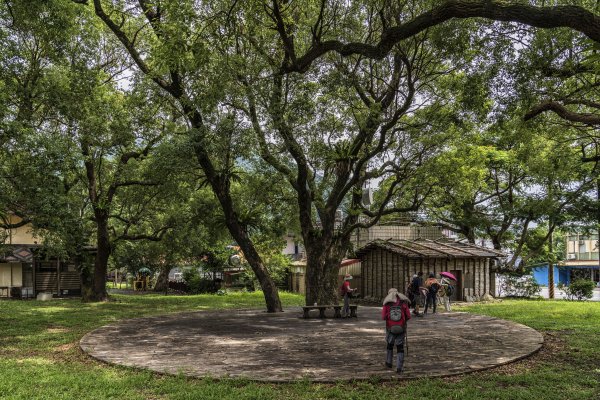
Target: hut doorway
[457, 295]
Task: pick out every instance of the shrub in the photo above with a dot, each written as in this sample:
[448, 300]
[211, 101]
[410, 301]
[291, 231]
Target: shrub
[197, 284]
[202, 285]
[518, 286]
[579, 289]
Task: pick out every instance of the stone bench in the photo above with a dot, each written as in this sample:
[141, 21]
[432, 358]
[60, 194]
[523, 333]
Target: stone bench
[336, 310]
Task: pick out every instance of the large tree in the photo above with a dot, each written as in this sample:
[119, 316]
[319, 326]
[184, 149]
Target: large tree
[80, 143]
[330, 124]
[169, 40]
[340, 124]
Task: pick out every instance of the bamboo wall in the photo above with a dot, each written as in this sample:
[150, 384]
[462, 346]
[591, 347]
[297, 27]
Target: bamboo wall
[49, 282]
[382, 269]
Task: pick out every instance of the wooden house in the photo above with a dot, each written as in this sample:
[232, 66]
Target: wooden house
[392, 263]
[26, 271]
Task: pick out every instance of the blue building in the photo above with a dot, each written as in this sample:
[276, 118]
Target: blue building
[581, 261]
[565, 273]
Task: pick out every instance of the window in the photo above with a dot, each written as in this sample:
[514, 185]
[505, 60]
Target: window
[45, 266]
[68, 267]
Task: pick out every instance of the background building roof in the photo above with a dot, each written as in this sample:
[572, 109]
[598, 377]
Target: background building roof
[425, 248]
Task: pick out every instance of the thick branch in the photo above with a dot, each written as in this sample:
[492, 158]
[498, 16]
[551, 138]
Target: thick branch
[591, 159]
[154, 237]
[130, 46]
[152, 15]
[125, 157]
[563, 112]
[566, 72]
[260, 134]
[574, 17]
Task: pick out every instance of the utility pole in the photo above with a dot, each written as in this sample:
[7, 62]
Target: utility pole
[550, 250]
[598, 221]
[550, 267]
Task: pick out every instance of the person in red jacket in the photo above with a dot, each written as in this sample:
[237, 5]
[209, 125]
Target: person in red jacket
[396, 313]
[345, 291]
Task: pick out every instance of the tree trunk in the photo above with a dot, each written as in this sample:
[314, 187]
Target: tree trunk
[260, 271]
[322, 280]
[87, 279]
[220, 186]
[162, 281]
[496, 242]
[322, 270]
[101, 261]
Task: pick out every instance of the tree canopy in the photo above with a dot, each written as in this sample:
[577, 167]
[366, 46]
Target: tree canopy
[464, 110]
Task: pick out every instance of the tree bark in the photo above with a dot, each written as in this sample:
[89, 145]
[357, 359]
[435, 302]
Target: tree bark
[103, 246]
[574, 17]
[87, 278]
[219, 183]
[322, 270]
[241, 237]
[325, 249]
[162, 281]
[101, 260]
[564, 113]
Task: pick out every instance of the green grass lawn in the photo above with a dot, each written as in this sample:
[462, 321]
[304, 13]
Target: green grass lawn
[40, 357]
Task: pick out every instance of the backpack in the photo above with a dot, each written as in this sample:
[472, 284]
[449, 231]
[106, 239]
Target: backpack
[434, 287]
[414, 286]
[396, 321]
[449, 290]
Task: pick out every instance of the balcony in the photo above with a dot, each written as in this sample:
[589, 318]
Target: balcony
[583, 256]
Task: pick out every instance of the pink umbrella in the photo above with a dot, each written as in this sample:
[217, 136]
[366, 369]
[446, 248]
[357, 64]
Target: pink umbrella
[448, 275]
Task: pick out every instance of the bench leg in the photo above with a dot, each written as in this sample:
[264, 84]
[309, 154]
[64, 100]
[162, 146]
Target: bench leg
[336, 312]
[306, 313]
[321, 312]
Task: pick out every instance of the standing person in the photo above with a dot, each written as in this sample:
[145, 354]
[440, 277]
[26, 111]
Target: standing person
[409, 290]
[396, 313]
[432, 286]
[448, 290]
[346, 291]
[416, 284]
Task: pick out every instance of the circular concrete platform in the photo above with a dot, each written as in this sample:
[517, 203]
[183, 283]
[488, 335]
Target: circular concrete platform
[284, 347]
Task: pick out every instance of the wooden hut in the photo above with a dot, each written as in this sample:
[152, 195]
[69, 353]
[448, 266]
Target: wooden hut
[25, 269]
[24, 272]
[392, 263]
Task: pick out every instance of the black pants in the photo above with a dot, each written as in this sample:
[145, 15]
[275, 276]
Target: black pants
[431, 299]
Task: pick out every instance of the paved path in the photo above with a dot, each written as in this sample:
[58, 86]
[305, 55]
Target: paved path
[282, 347]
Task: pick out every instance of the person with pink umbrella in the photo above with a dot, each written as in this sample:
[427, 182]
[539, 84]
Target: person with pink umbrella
[447, 282]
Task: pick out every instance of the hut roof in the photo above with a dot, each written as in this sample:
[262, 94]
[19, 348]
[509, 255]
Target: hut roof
[425, 248]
